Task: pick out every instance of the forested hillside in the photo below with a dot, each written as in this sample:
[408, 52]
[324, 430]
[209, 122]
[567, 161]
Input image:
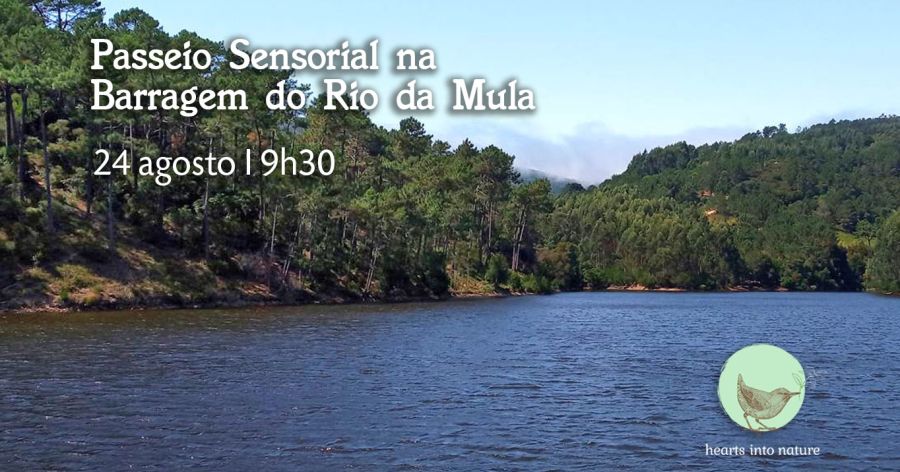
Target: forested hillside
[772, 209]
[403, 214]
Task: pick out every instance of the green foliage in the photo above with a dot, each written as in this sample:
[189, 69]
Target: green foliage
[841, 172]
[497, 272]
[762, 211]
[434, 274]
[516, 282]
[599, 278]
[537, 283]
[655, 242]
[561, 266]
[403, 213]
[225, 267]
[884, 268]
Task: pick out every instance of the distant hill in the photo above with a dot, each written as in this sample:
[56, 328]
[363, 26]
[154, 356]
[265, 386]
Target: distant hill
[842, 172]
[557, 183]
[772, 209]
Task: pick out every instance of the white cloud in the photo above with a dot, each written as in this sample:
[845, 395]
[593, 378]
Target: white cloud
[590, 154]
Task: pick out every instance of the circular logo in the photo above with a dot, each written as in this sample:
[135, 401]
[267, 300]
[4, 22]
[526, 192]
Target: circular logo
[761, 387]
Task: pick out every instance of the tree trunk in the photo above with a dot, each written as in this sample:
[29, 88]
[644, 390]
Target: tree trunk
[160, 192]
[274, 222]
[47, 169]
[261, 183]
[371, 270]
[23, 160]
[490, 233]
[272, 237]
[286, 267]
[89, 184]
[110, 216]
[480, 242]
[205, 212]
[134, 160]
[10, 119]
[206, 221]
[270, 256]
[520, 233]
[312, 252]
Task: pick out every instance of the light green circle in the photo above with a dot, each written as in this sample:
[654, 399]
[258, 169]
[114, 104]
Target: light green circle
[774, 384]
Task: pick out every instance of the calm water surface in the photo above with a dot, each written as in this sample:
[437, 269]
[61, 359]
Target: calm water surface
[565, 382]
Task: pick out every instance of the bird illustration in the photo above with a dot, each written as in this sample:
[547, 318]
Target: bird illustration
[761, 405]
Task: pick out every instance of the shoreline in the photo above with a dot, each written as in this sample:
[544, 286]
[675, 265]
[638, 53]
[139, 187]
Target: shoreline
[335, 300]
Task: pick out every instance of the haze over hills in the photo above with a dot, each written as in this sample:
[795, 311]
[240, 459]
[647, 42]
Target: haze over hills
[557, 183]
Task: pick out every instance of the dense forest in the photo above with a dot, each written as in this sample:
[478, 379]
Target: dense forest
[773, 209]
[404, 214]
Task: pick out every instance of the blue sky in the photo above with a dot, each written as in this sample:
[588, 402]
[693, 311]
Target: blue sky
[610, 78]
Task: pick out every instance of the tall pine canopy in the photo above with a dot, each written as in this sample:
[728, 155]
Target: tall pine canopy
[404, 214]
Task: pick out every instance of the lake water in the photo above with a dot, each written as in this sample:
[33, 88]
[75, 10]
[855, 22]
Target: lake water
[582, 381]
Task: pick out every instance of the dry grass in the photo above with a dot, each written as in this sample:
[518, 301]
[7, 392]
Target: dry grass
[461, 284]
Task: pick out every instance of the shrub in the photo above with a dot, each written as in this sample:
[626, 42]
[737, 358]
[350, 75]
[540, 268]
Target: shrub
[596, 278]
[497, 272]
[224, 267]
[560, 264]
[64, 295]
[883, 273]
[516, 283]
[537, 283]
[434, 274]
